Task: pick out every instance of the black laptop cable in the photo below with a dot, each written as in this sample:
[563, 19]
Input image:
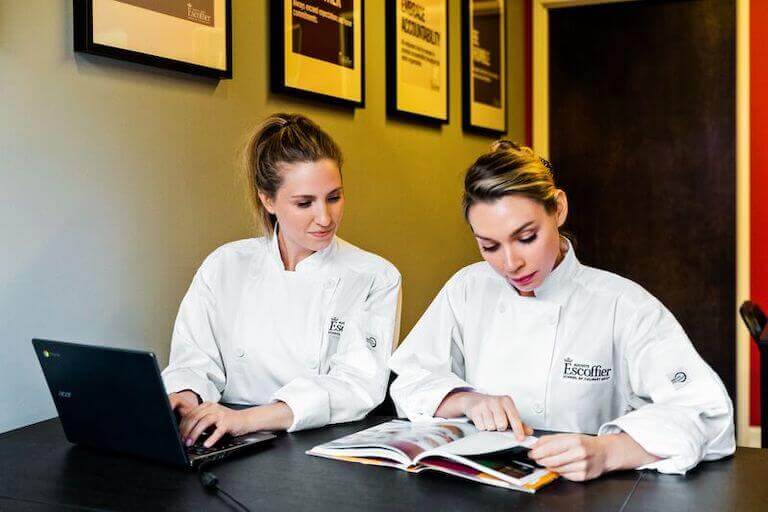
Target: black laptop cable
[210, 483]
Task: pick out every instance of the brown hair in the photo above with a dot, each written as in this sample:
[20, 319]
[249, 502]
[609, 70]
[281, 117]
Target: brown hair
[281, 139]
[509, 169]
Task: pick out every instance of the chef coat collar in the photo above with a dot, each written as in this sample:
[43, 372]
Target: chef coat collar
[556, 286]
[311, 262]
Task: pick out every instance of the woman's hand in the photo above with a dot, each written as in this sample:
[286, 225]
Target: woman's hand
[212, 415]
[183, 401]
[487, 412]
[209, 415]
[581, 457]
[575, 456]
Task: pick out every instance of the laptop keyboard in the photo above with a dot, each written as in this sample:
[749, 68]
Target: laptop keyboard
[223, 443]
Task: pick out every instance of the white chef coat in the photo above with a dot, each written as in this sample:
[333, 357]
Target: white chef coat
[318, 338]
[592, 352]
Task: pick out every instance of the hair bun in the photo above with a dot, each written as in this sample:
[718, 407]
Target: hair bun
[504, 145]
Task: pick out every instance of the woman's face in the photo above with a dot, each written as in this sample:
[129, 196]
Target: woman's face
[518, 238]
[308, 205]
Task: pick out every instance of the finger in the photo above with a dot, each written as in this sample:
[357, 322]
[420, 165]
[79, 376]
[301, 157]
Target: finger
[202, 425]
[514, 419]
[528, 430]
[182, 408]
[185, 409]
[579, 466]
[576, 476]
[547, 446]
[174, 401]
[561, 459]
[479, 419]
[476, 418]
[214, 438]
[189, 421]
[488, 419]
[499, 417]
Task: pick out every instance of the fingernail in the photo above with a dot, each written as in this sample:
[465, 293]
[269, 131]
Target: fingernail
[189, 441]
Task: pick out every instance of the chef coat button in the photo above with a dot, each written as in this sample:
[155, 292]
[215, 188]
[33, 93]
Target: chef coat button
[538, 408]
[240, 352]
[328, 284]
[502, 308]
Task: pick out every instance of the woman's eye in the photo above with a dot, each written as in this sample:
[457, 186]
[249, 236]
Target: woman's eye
[528, 239]
[334, 199]
[303, 204]
[489, 248]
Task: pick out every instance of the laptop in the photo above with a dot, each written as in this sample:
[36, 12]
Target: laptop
[114, 399]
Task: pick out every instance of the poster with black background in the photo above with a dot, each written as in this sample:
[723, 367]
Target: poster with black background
[324, 30]
[486, 53]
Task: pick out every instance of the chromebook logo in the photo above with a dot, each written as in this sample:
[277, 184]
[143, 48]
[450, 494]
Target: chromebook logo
[46, 353]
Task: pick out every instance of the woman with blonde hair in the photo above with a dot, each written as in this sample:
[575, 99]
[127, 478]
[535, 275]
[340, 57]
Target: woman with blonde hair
[297, 323]
[531, 338]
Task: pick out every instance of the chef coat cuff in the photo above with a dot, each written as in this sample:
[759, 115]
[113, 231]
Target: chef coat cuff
[660, 437]
[180, 379]
[421, 406]
[310, 404]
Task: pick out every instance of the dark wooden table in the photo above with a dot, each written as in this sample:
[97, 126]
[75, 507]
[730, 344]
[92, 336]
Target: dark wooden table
[41, 471]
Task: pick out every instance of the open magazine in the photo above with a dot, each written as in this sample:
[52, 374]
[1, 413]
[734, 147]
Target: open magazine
[457, 448]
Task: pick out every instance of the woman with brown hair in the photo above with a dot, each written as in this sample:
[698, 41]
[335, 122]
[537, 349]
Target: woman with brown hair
[531, 338]
[298, 322]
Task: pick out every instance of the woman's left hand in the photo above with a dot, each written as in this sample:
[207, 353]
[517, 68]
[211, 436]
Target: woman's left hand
[575, 456]
[212, 415]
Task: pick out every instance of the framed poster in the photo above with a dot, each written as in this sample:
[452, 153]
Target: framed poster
[484, 66]
[192, 36]
[417, 59]
[318, 50]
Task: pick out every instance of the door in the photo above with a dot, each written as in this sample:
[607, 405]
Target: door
[642, 139]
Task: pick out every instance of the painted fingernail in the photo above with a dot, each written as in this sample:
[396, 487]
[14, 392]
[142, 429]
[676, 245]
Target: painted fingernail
[189, 441]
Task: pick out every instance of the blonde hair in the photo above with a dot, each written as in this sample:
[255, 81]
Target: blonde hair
[509, 169]
[281, 139]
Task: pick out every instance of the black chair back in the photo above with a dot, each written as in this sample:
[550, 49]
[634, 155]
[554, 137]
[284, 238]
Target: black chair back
[754, 318]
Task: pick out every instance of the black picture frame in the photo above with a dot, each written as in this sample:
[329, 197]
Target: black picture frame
[393, 110]
[278, 64]
[83, 42]
[466, 73]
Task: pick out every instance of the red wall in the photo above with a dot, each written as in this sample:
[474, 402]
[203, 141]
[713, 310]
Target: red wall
[758, 84]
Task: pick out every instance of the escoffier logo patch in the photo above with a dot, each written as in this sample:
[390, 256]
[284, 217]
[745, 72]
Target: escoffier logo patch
[336, 328]
[678, 378]
[585, 371]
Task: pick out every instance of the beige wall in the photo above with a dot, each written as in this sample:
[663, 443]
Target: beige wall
[117, 179]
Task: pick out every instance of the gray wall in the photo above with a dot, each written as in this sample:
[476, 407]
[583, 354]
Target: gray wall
[117, 179]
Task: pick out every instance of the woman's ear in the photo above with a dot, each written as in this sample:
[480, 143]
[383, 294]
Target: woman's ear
[562, 207]
[267, 202]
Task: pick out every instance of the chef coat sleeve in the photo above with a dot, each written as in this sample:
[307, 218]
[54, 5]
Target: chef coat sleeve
[684, 413]
[195, 362]
[430, 364]
[357, 378]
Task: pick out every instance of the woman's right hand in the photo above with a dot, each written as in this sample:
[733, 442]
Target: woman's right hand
[487, 412]
[183, 401]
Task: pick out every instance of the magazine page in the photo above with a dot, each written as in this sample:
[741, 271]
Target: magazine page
[464, 471]
[483, 442]
[403, 439]
[510, 465]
